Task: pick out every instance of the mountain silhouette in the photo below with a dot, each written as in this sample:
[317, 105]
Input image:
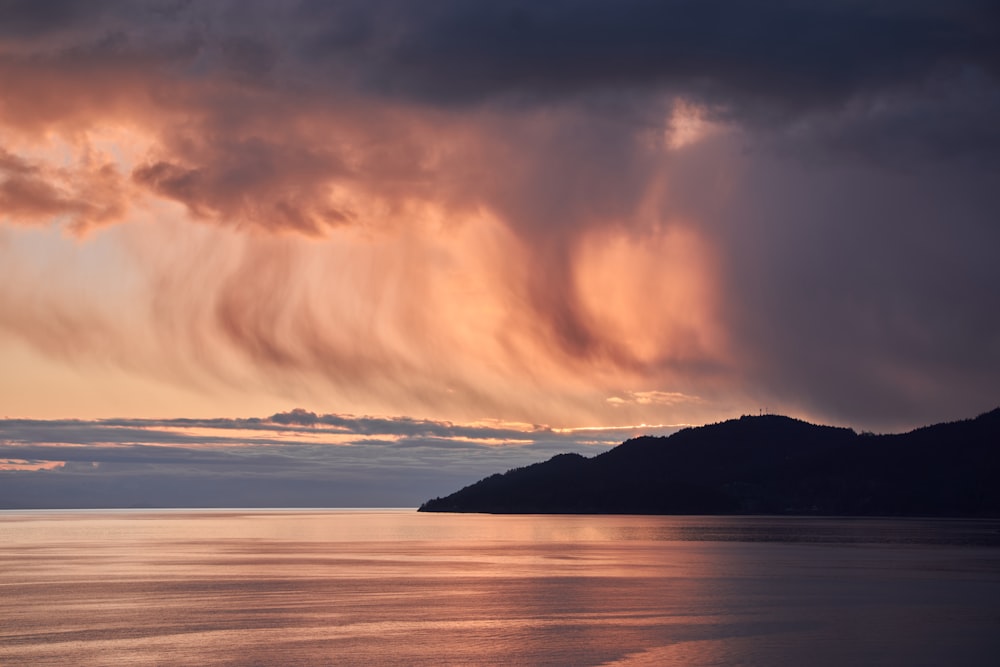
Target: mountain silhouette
[760, 465]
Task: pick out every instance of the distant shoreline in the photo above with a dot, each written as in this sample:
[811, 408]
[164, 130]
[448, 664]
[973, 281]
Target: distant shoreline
[766, 465]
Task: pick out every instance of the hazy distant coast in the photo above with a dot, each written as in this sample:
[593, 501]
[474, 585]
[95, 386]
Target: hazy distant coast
[761, 465]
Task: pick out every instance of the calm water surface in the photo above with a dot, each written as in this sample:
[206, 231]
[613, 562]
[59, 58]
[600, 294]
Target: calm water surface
[393, 587]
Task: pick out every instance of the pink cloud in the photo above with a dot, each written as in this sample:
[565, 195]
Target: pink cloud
[368, 205]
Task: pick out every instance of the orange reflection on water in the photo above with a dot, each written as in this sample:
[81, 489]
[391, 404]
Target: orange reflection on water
[393, 587]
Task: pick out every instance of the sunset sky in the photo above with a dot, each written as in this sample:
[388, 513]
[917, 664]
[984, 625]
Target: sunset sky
[363, 252]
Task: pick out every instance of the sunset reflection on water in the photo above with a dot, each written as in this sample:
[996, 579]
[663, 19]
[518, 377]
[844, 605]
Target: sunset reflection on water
[388, 587]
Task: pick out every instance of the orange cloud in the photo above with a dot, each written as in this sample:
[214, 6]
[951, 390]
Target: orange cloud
[369, 209]
[430, 265]
[24, 465]
[85, 196]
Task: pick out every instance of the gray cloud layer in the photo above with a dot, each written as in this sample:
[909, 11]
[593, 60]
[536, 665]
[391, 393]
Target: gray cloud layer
[295, 458]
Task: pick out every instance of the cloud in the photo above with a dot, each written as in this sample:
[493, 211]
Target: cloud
[795, 56]
[86, 196]
[297, 426]
[296, 458]
[512, 209]
[652, 397]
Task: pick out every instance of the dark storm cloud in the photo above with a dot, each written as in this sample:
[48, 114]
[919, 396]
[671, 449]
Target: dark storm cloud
[457, 51]
[886, 80]
[26, 18]
[875, 304]
[887, 73]
[850, 197]
[790, 55]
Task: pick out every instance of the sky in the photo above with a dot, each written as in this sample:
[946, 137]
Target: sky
[466, 236]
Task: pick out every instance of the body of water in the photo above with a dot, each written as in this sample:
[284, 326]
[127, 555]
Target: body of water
[394, 587]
